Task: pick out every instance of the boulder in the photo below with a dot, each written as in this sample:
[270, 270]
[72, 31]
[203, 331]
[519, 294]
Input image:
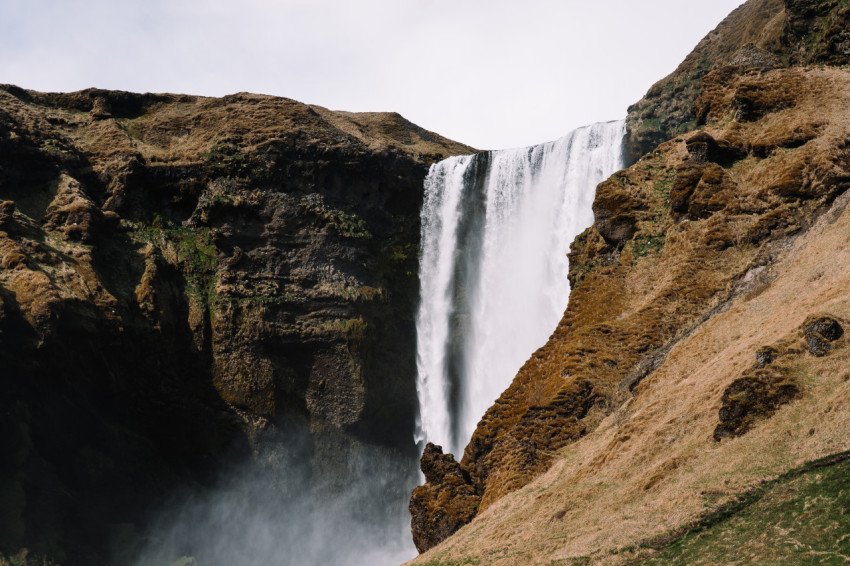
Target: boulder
[445, 503]
[765, 356]
[820, 332]
[755, 396]
[703, 147]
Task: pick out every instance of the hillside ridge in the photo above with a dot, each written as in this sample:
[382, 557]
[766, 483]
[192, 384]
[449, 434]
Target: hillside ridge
[694, 232]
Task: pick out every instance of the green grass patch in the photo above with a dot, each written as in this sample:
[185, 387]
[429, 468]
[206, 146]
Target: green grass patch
[662, 188]
[646, 245]
[346, 224]
[401, 253]
[190, 249]
[801, 518]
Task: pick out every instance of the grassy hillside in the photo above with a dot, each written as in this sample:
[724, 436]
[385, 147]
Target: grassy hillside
[800, 518]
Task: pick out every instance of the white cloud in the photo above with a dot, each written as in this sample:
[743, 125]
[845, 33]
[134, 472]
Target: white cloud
[491, 73]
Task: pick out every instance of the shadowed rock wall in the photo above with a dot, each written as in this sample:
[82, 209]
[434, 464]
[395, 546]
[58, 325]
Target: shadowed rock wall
[183, 277]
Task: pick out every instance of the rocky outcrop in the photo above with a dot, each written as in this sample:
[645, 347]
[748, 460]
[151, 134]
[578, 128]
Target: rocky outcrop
[445, 503]
[746, 39]
[759, 36]
[687, 230]
[817, 32]
[771, 382]
[753, 398]
[821, 333]
[182, 277]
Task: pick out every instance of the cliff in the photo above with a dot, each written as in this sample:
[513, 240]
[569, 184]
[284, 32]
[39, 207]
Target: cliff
[183, 277]
[703, 348]
[760, 34]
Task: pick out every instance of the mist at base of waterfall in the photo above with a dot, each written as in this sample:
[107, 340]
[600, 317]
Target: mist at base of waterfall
[275, 512]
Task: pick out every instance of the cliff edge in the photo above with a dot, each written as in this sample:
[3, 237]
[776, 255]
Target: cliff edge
[183, 278]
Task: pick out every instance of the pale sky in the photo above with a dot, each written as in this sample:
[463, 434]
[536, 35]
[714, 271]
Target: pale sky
[490, 73]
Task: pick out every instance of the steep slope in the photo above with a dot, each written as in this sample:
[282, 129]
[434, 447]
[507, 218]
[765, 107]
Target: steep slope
[183, 278]
[759, 35]
[701, 255]
[667, 109]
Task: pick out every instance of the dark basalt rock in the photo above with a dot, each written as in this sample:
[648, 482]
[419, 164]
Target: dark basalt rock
[765, 356]
[820, 333]
[437, 466]
[703, 147]
[764, 388]
[163, 318]
[617, 207]
[754, 397]
[7, 211]
[445, 503]
[817, 31]
[817, 345]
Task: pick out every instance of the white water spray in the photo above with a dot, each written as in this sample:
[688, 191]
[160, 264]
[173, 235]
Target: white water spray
[496, 227]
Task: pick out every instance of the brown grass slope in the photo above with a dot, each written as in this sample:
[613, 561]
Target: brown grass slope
[760, 34]
[702, 253]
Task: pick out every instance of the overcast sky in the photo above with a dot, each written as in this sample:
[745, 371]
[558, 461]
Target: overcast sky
[490, 73]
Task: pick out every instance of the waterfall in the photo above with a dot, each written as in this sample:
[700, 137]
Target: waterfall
[496, 227]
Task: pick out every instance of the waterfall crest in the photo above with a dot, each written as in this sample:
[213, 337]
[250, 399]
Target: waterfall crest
[496, 227]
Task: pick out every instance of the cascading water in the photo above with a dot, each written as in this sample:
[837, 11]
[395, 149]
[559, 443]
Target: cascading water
[493, 271]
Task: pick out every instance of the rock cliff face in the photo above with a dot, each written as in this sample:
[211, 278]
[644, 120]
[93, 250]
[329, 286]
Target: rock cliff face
[759, 35]
[654, 366]
[181, 277]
